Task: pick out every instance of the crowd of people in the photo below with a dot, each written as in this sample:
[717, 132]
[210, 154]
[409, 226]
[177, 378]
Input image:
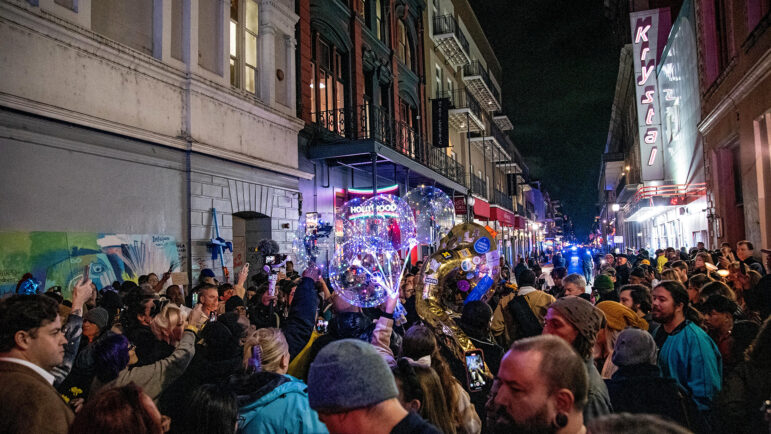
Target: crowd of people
[679, 342]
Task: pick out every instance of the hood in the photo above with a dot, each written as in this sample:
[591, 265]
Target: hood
[262, 388]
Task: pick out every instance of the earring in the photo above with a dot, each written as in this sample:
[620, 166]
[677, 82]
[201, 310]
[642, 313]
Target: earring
[561, 420]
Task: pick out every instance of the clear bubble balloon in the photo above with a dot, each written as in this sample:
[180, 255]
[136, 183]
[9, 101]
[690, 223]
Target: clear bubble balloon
[365, 277]
[434, 213]
[384, 222]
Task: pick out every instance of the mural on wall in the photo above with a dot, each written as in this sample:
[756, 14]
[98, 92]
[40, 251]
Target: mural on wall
[59, 258]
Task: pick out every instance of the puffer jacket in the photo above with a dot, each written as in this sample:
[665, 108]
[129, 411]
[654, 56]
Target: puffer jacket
[274, 403]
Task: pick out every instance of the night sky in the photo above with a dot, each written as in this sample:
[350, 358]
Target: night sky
[560, 61]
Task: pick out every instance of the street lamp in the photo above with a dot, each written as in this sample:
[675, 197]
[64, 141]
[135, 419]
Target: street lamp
[470, 201]
[615, 207]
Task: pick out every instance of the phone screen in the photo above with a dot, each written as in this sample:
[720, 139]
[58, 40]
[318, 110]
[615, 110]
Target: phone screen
[270, 259]
[195, 298]
[475, 370]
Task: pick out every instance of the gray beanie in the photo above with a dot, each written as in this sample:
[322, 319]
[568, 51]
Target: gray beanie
[634, 347]
[349, 374]
[98, 316]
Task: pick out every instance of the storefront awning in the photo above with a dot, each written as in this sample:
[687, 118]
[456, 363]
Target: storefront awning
[502, 216]
[481, 208]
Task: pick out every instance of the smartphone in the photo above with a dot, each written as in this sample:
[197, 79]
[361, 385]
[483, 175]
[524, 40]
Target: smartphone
[86, 272]
[475, 370]
[270, 259]
[195, 298]
[321, 325]
[171, 267]
[272, 279]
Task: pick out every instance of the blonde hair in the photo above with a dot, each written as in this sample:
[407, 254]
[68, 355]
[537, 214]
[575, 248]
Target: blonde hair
[166, 326]
[272, 345]
[670, 274]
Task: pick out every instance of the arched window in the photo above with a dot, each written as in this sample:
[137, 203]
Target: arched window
[403, 49]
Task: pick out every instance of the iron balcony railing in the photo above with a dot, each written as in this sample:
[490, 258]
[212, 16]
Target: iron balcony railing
[478, 186]
[371, 122]
[476, 68]
[446, 24]
[502, 199]
[447, 166]
[462, 98]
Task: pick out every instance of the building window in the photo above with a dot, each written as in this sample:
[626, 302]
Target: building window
[403, 49]
[438, 80]
[737, 169]
[328, 87]
[244, 23]
[373, 16]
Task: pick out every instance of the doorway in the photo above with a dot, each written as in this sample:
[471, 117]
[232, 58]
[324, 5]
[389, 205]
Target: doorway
[249, 228]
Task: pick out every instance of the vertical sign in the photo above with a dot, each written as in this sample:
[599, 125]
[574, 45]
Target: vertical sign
[439, 112]
[649, 34]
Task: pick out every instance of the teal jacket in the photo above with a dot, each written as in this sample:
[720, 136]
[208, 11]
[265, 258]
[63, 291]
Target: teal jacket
[691, 357]
[276, 404]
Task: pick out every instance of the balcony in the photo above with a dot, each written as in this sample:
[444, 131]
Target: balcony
[478, 186]
[447, 166]
[503, 122]
[465, 114]
[370, 122]
[495, 138]
[480, 85]
[451, 41]
[502, 199]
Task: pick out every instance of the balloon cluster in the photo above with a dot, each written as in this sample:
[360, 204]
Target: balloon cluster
[434, 213]
[367, 267]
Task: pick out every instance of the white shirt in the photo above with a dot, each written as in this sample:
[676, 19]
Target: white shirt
[525, 290]
[43, 373]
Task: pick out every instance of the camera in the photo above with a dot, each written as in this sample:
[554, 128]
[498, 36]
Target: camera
[274, 260]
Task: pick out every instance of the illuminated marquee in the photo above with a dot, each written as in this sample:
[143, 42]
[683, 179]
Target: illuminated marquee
[387, 210]
[649, 28]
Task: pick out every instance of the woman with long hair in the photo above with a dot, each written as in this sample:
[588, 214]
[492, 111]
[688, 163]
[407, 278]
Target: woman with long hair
[269, 400]
[420, 346]
[119, 410]
[211, 409]
[420, 391]
[747, 387]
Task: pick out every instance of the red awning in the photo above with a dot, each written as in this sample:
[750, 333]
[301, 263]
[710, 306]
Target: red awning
[481, 208]
[520, 222]
[503, 216]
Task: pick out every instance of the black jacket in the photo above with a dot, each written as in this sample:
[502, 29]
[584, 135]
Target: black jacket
[738, 405]
[298, 326]
[642, 389]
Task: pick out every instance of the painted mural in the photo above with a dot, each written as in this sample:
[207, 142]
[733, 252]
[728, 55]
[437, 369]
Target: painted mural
[59, 258]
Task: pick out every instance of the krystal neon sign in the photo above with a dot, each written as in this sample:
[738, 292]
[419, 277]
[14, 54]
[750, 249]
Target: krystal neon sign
[649, 32]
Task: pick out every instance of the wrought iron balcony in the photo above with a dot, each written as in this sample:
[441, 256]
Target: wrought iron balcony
[480, 84]
[503, 122]
[451, 41]
[465, 114]
[447, 166]
[502, 199]
[495, 138]
[478, 186]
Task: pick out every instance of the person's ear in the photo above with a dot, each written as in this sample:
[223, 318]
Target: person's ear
[22, 339]
[414, 405]
[564, 401]
[285, 361]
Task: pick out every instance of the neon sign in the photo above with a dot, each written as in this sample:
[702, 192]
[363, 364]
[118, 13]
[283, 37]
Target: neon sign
[648, 28]
[386, 210]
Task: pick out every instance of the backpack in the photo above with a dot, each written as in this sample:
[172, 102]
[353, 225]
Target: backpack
[527, 322]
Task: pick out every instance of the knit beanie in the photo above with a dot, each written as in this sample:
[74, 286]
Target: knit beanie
[602, 283]
[98, 316]
[634, 347]
[349, 374]
[233, 302]
[580, 313]
[620, 317]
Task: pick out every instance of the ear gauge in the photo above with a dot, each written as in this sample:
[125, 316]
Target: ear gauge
[561, 420]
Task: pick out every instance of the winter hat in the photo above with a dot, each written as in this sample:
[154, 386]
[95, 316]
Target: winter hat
[207, 272]
[98, 316]
[620, 317]
[581, 314]
[349, 374]
[233, 302]
[602, 283]
[634, 347]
